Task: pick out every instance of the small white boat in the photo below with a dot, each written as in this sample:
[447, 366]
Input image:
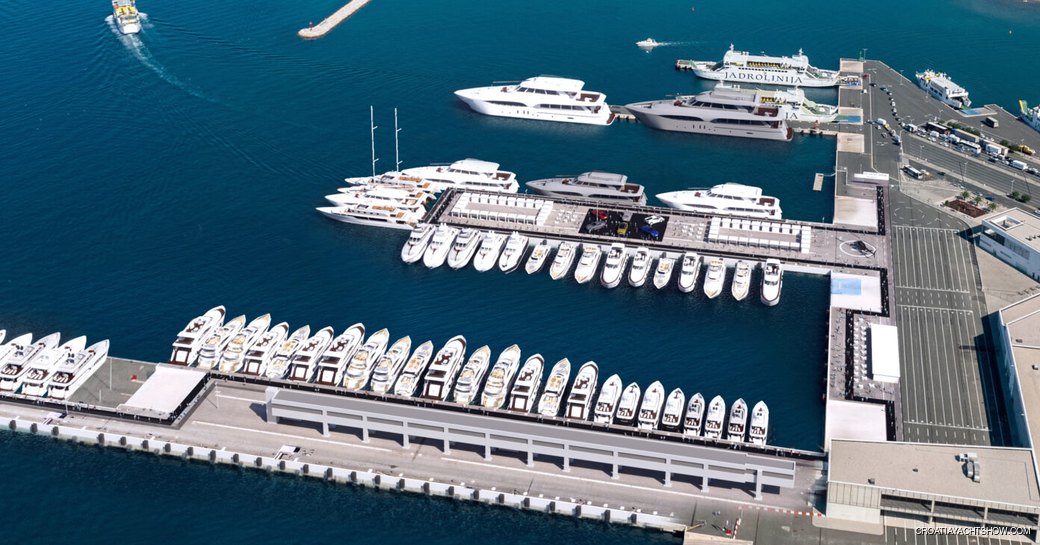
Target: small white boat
[694, 416]
[648, 43]
[606, 403]
[72, 373]
[387, 368]
[629, 404]
[334, 361]
[34, 382]
[487, 254]
[650, 408]
[393, 358]
[690, 269]
[417, 242]
[582, 393]
[126, 16]
[538, 257]
[741, 280]
[552, 396]
[737, 428]
[714, 419]
[408, 382]
[472, 375]
[513, 253]
[589, 262]
[674, 405]
[772, 281]
[213, 346]
[759, 424]
[500, 379]
[263, 350]
[360, 365]
[437, 251]
[465, 246]
[561, 265]
[640, 268]
[231, 358]
[614, 268]
[663, 272]
[715, 279]
[189, 340]
[305, 361]
[16, 364]
[279, 365]
[445, 367]
[528, 381]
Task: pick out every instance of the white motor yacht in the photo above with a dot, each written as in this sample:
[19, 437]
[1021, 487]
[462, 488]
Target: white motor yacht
[465, 246]
[279, 364]
[737, 427]
[688, 272]
[17, 362]
[437, 252]
[263, 350]
[728, 199]
[444, 369]
[126, 16]
[408, 381]
[213, 346]
[648, 43]
[759, 424]
[35, 381]
[466, 174]
[189, 340]
[721, 112]
[72, 373]
[408, 199]
[607, 402]
[663, 271]
[414, 247]
[305, 362]
[513, 254]
[528, 381]
[359, 367]
[715, 279]
[579, 401]
[741, 280]
[650, 408]
[543, 97]
[500, 379]
[589, 262]
[714, 419]
[552, 396]
[674, 405]
[487, 254]
[539, 255]
[374, 215]
[561, 265]
[694, 416]
[772, 281]
[392, 359]
[472, 375]
[640, 268]
[629, 405]
[231, 358]
[614, 268]
[342, 349]
[385, 372]
[18, 343]
[599, 186]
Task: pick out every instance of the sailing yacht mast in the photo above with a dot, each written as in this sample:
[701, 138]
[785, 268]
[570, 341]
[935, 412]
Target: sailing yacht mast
[372, 122]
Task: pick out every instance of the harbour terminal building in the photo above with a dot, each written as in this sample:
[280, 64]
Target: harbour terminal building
[1014, 237]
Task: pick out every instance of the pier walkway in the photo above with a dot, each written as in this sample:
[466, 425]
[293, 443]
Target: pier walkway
[332, 21]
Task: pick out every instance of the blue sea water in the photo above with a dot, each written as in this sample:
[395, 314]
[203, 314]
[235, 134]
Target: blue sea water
[147, 179]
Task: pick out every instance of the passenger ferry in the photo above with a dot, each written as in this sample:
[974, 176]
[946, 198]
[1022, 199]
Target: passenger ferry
[741, 66]
[728, 199]
[545, 98]
[1030, 115]
[720, 111]
[940, 87]
[126, 17]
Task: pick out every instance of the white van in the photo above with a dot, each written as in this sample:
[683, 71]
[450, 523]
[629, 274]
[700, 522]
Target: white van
[1017, 164]
[881, 122]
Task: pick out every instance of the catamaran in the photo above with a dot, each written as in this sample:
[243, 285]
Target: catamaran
[528, 380]
[500, 379]
[549, 403]
[471, 375]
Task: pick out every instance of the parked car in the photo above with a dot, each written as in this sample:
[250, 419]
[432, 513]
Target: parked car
[650, 231]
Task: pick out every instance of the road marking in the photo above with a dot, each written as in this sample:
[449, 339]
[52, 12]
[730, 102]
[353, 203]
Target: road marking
[291, 436]
[222, 396]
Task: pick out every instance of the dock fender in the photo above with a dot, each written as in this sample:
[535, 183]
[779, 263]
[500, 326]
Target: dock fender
[329, 474]
[235, 458]
[12, 425]
[212, 456]
[426, 488]
[55, 431]
[551, 508]
[281, 465]
[306, 469]
[259, 462]
[101, 439]
[122, 441]
[33, 428]
[144, 444]
[189, 452]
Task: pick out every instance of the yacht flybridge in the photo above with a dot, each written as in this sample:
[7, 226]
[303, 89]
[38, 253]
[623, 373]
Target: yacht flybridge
[544, 98]
[334, 361]
[581, 396]
[528, 381]
[472, 375]
[189, 340]
[359, 368]
[607, 402]
[552, 396]
[445, 367]
[500, 379]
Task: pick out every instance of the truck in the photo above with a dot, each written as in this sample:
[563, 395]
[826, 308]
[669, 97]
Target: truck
[991, 121]
[1015, 163]
[995, 150]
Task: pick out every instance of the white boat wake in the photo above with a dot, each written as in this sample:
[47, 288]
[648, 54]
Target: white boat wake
[675, 44]
[133, 44]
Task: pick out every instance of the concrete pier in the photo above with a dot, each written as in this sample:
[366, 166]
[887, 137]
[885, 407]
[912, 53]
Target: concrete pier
[332, 21]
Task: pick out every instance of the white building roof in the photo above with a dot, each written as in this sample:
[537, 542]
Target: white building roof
[1016, 224]
[884, 352]
[164, 391]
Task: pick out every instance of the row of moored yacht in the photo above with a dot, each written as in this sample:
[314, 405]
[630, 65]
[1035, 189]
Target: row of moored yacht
[351, 361]
[437, 245]
[46, 369]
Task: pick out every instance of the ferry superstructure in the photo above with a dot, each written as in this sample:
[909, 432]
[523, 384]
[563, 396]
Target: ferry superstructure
[772, 281]
[528, 381]
[1030, 115]
[552, 396]
[72, 373]
[728, 199]
[263, 350]
[334, 361]
[694, 418]
[414, 247]
[231, 357]
[720, 111]
[34, 382]
[650, 407]
[126, 16]
[759, 430]
[614, 268]
[561, 264]
[466, 174]
[606, 403]
[279, 364]
[943, 89]
[545, 98]
[213, 345]
[445, 367]
[736, 430]
[359, 368]
[305, 362]
[595, 185]
[715, 418]
[189, 340]
[741, 66]
[472, 375]
[386, 370]
[797, 107]
[583, 392]
[500, 379]
[640, 268]
[17, 362]
[408, 381]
